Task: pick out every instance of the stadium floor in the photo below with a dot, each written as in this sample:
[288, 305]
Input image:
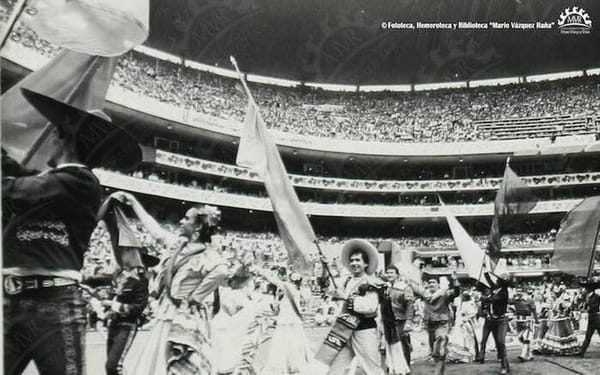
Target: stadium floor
[541, 365]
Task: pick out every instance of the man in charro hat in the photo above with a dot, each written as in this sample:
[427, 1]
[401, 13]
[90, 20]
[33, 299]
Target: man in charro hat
[51, 217]
[592, 303]
[355, 330]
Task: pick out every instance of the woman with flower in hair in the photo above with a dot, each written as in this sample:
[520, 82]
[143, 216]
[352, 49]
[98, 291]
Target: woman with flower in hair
[179, 342]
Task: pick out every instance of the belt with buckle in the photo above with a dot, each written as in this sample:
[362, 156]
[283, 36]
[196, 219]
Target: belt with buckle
[14, 285]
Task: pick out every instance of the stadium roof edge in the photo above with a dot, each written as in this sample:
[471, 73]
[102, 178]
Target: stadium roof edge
[365, 88]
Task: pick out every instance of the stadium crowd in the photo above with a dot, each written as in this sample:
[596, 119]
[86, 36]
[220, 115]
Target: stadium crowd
[431, 116]
[268, 248]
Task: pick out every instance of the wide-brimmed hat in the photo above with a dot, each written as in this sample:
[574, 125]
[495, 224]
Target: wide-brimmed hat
[98, 141]
[364, 246]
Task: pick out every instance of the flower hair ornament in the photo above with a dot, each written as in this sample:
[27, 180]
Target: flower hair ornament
[211, 213]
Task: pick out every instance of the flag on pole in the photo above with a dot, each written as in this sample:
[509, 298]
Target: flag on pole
[258, 152]
[475, 259]
[574, 247]
[514, 197]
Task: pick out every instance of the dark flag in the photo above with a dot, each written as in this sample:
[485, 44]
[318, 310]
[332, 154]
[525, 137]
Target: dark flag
[576, 238]
[514, 197]
[122, 235]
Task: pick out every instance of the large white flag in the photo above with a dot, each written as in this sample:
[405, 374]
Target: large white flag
[258, 152]
[95, 27]
[475, 259]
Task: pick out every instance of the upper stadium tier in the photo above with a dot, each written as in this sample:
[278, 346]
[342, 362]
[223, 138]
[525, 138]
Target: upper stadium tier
[553, 117]
[358, 42]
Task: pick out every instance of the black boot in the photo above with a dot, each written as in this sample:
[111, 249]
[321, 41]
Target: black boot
[480, 357]
[504, 367]
[440, 366]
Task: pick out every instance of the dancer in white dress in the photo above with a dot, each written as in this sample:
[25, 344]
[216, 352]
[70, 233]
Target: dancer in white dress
[289, 350]
[179, 342]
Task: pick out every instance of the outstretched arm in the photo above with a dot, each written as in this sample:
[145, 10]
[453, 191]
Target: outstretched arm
[161, 235]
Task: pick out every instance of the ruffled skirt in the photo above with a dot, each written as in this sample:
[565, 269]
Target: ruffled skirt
[560, 338]
[178, 344]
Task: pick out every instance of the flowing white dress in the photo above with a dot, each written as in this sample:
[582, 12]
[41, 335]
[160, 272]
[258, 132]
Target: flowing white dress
[229, 329]
[289, 350]
[462, 339]
[179, 342]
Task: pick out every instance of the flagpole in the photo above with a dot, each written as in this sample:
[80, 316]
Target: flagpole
[591, 266]
[244, 84]
[19, 7]
[316, 242]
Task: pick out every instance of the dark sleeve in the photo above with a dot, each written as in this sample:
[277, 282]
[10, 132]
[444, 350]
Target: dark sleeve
[455, 291]
[134, 297]
[11, 168]
[59, 186]
[489, 279]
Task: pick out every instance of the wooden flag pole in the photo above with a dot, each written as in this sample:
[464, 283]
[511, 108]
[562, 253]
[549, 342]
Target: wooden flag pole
[245, 85]
[243, 80]
[325, 265]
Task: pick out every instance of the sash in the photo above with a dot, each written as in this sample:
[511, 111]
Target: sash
[390, 329]
[338, 336]
[173, 265]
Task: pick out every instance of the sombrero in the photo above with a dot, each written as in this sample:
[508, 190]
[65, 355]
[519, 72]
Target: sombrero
[364, 246]
[98, 141]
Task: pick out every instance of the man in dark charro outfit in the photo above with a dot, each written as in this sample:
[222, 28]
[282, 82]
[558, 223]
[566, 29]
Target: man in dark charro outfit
[127, 306]
[494, 306]
[592, 303]
[51, 216]
[525, 316]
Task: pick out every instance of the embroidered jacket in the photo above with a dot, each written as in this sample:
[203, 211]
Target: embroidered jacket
[53, 214]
